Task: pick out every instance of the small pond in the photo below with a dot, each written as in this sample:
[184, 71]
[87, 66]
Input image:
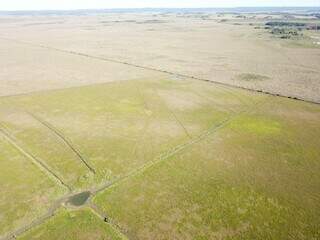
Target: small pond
[79, 198]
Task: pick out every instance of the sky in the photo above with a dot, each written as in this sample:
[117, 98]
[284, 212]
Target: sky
[96, 4]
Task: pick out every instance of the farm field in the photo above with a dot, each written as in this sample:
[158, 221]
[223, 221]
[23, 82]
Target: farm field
[158, 126]
[76, 224]
[233, 163]
[218, 47]
[26, 191]
[243, 182]
[79, 133]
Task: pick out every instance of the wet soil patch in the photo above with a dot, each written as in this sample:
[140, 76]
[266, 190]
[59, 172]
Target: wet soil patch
[79, 199]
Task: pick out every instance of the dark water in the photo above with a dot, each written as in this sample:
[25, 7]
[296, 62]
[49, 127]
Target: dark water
[79, 199]
[165, 10]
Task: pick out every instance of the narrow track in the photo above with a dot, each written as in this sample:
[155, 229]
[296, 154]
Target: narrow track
[179, 123]
[174, 115]
[179, 148]
[33, 224]
[64, 139]
[108, 220]
[162, 157]
[159, 70]
[50, 213]
[24, 229]
[42, 166]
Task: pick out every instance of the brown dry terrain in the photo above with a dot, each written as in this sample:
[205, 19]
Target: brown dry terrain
[219, 48]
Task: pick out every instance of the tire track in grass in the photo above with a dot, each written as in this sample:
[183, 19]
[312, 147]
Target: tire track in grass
[95, 209]
[41, 165]
[40, 220]
[162, 157]
[179, 123]
[174, 115]
[64, 139]
[165, 156]
[146, 121]
[24, 229]
[177, 149]
[51, 213]
[33, 224]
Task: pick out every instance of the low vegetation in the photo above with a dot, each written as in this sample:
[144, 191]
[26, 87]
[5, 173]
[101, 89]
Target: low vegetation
[26, 190]
[286, 24]
[73, 225]
[252, 77]
[247, 181]
[290, 30]
[157, 151]
[234, 164]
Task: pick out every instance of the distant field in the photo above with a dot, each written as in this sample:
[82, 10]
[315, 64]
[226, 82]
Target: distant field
[161, 158]
[95, 48]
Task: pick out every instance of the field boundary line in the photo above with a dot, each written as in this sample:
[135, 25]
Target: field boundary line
[61, 136]
[162, 71]
[41, 91]
[41, 165]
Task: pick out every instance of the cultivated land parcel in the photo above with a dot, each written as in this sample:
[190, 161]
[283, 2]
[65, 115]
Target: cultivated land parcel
[102, 137]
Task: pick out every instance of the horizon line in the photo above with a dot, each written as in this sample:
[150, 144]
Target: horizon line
[146, 8]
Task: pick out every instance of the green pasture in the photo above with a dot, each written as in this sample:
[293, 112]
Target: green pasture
[184, 159]
[26, 191]
[256, 178]
[116, 127]
[74, 225]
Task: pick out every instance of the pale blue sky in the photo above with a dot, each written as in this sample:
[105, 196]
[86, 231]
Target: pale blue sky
[86, 4]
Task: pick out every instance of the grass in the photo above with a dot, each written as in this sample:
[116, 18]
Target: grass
[256, 125]
[118, 126]
[44, 145]
[26, 192]
[257, 178]
[74, 225]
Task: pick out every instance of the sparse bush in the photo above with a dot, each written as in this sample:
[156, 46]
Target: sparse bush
[285, 24]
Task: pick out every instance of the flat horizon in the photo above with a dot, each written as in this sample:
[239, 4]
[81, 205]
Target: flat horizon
[146, 8]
